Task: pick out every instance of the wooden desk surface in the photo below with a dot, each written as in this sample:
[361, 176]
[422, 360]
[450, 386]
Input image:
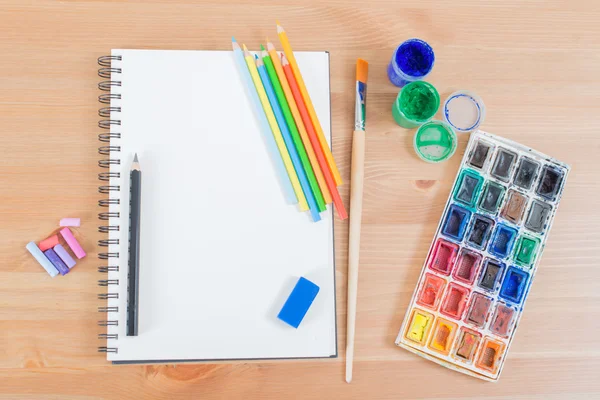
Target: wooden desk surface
[534, 63]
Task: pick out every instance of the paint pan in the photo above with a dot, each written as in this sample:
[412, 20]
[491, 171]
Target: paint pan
[492, 197]
[420, 324]
[514, 207]
[480, 231]
[455, 301]
[502, 241]
[479, 309]
[416, 104]
[504, 164]
[435, 142]
[490, 274]
[514, 285]
[526, 173]
[442, 336]
[467, 343]
[480, 154]
[537, 217]
[456, 222]
[468, 188]
[412, 61]
[431, 291]
[502, 320]
[443, 256]
[466, 266]
[464, 111]
[525, 250]
[490, 355]
[550, 182]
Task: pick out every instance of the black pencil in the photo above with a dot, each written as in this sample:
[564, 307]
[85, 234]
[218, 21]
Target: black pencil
[133, 279]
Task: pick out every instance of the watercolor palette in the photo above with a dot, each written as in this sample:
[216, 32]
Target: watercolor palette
[481, 263]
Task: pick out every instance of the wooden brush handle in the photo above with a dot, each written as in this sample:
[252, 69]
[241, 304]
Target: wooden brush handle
[356, 199]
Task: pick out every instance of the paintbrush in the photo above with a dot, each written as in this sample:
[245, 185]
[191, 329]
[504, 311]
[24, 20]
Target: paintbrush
[356, 198]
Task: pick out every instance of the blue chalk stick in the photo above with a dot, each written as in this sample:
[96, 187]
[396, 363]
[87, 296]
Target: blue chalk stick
[298, 303]
[41, 258]
[57, 262]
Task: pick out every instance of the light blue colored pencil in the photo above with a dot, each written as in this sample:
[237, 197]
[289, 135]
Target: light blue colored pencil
[284, 179]
[287, 138]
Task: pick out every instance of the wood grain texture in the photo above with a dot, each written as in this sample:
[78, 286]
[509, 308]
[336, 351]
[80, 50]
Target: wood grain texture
[535, 64]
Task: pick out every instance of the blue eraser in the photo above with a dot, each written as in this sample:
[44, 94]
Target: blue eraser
[298, 303]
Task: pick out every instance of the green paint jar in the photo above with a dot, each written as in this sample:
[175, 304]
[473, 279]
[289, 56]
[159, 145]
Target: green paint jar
[416, 104]
[435, 141]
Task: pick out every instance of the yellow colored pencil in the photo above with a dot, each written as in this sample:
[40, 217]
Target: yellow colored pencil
[289, 53]
[287, 161]
[298, 119]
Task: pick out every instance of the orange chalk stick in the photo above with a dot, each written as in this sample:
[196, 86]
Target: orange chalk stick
[48, 243]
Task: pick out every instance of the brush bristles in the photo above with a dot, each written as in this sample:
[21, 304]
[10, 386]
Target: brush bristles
[362, 70]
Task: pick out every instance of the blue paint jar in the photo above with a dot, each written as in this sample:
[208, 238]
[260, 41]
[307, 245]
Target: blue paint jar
[412, 61]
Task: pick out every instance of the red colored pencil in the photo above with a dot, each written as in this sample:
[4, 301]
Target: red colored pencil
[314, 141]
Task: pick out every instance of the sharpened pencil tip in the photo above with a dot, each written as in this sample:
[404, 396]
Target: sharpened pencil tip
[135, 159]
[270, 45]
[256, 56]
[233, 39]
[262, 47]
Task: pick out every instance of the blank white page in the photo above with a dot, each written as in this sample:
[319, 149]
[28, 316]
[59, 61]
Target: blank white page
[220, 248]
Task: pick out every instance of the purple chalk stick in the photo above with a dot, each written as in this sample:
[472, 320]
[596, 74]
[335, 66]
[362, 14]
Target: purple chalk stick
[66, 257]
[56, 261]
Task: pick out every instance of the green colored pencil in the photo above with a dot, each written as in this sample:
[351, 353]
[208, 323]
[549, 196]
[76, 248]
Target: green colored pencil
[289, 119]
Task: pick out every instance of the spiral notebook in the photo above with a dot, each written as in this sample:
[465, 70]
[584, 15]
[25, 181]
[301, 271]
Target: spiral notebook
[220, 248]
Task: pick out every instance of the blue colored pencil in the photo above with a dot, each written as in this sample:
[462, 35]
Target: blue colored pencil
[284, 179]
[287, 137]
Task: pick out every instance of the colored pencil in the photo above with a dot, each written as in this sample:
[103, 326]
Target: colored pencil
[287, 49]
[276, 159]
[357, 178]
[335, 194]
[302, 204]
[133, 275]
[289, 120]
[299, 123]
[310, 198]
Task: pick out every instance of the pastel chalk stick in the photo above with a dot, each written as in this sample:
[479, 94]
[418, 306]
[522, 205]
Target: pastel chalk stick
[70, 222]
[56, 261]
[298, 303]
[48, 243]
[72, 242]
[41, 258]
[64, 256]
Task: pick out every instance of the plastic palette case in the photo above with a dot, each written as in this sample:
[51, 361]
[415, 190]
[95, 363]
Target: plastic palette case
[471, 293]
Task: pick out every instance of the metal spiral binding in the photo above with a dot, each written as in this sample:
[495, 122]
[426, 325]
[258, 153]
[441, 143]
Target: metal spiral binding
[108, 122]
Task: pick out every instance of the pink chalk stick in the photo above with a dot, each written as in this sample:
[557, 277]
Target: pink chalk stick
[70, 222]
[48, 243]
[72, 242]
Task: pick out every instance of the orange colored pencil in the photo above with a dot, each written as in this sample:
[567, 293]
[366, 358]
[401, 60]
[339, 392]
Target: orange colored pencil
[299, 123]
[335, 194]
[289, 53]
